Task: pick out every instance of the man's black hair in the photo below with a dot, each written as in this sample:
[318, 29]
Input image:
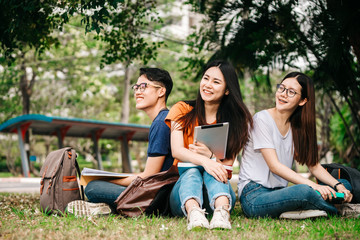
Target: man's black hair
[158, 75]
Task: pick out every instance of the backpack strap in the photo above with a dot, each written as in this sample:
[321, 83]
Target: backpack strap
[51, 179]
[79, 174]
[42, 180]
[336, 173]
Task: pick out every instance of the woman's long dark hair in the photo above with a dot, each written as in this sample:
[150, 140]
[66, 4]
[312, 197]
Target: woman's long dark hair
[303, 123]
[232, 109]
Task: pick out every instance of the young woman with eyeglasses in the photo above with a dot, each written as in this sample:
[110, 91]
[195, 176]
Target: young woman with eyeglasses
[281, 135]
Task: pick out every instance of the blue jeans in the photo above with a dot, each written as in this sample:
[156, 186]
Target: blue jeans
[258, 201]
[98, 191]
[196, 183]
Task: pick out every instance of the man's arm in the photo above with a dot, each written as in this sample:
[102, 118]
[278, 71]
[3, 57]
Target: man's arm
[153, 165]
[159, 145]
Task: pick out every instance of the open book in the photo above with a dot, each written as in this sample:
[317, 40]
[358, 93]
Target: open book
[89, 174]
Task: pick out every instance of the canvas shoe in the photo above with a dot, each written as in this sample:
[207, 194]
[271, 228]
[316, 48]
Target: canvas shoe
[83, 208]
[303, 214]
[196, 218]
[221, 218]
[348, 209]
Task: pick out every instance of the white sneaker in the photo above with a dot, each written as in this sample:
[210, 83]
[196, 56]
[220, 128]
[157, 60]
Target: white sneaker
[83, 208]
[348, 209]
[196, 218]
[303, 214]
[221, 219]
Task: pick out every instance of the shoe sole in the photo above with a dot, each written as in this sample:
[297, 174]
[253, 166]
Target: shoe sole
[303, 214]
[82, 208]
[220, 227]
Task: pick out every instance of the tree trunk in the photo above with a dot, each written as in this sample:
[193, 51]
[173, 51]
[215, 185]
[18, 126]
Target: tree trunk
[125, 112]
[324, 114]
[26, 89]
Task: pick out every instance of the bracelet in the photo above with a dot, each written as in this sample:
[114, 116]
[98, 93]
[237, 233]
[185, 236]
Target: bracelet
[211, 155]
[339, 183]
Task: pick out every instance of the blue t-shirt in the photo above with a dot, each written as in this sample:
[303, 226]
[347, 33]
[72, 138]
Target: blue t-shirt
[159, 140]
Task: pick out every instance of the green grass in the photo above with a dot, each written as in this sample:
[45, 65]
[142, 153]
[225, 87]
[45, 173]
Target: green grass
[9, 174]
[21, 219]
[6, 174]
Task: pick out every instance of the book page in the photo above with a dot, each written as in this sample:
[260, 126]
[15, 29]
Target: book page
[89, 174]
[96, 172]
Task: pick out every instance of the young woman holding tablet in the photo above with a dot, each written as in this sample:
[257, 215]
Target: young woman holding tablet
[204, 182]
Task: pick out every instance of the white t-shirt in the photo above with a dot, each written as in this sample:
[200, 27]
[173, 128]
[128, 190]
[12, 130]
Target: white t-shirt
[265, 134]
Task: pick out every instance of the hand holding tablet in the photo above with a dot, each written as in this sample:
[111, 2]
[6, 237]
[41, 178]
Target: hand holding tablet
[214, 137]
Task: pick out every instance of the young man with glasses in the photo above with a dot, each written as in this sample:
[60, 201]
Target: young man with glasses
[151, 92]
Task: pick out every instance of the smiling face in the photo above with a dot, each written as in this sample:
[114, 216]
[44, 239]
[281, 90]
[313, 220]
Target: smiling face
[148, 98]
[286, 103]
[213, 86]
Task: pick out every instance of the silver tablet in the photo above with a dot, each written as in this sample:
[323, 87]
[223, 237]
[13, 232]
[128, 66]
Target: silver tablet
[214, 137]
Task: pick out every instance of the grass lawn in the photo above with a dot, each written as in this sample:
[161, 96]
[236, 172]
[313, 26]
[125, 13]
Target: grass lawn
[21, 219]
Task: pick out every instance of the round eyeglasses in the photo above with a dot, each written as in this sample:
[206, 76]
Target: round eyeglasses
[290, 92]
[143, 86]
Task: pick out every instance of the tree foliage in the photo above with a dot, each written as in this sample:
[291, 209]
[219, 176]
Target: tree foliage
[322, 34]
[27, 24]
[29, 28]
[119, 22]
[125, 39]
[10, 100]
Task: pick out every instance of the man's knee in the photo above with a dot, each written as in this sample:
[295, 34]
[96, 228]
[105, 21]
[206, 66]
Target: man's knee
[91, 188]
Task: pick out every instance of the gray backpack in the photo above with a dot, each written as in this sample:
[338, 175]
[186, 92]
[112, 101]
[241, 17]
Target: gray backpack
[59, 182]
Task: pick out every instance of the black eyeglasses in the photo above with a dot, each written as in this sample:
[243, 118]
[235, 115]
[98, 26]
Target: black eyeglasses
[143, 86]
[290, 92]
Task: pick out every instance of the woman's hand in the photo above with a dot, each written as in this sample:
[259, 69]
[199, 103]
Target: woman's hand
[201, 148]
[325, 191]
[347, 194]
[324, 176]
[216, 170]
